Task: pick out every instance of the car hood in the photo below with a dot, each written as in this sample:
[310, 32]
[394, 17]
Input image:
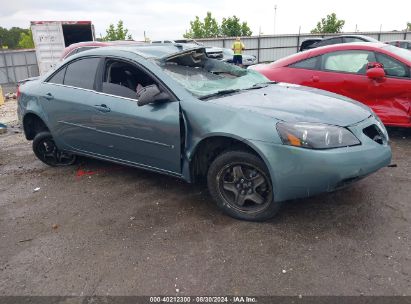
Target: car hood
[294, 103]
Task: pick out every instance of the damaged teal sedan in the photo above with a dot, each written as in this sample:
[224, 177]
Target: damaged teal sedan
[175, 111]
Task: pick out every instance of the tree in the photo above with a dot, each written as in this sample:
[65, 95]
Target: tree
[196, 29]
[10, 37]
[209, 28]
[408, 26]
[117, 33]
[26, 40]
[231, 27]
[330, 24]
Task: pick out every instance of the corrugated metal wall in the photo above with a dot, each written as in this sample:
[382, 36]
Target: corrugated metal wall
[270, 48]
[16, 65]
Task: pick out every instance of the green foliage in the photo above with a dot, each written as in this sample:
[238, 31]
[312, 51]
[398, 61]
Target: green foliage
[26, 40]
[231, 27]
[330, 24]
[196, 29]
[210, 28]
[117, 33]
[408, 26]
[10, 37]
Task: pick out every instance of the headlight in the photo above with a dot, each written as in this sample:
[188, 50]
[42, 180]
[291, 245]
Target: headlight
[315, 136]
[381, 126]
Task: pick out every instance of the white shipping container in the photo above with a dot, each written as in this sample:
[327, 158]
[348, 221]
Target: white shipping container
[52, 37]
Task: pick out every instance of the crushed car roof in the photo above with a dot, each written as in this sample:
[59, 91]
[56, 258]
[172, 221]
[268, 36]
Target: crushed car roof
[152, 51]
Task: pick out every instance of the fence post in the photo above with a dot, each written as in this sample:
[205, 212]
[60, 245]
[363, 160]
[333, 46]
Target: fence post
[5, 61]
[27, 64]
[298, 39]
[258, 49]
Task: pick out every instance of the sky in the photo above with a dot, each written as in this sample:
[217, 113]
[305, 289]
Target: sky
[162, 19]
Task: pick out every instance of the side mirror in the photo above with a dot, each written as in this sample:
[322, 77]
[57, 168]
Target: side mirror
[150, 94]
[376, 73]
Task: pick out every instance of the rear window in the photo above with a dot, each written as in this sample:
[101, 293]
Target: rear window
[82, 73]
[403, 53]
[58, 77]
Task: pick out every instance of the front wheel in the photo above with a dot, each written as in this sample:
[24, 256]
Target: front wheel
[240, 184]
[46, 150]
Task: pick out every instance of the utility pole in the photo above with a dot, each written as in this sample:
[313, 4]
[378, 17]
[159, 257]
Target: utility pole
[275, 15]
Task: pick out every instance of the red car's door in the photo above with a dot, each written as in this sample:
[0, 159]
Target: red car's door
[344, 72]
[341, 72]
[393, 93]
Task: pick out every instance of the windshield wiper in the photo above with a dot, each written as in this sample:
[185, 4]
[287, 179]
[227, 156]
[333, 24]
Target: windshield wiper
[220, 93]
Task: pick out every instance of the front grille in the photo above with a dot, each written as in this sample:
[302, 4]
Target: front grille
[375, 133]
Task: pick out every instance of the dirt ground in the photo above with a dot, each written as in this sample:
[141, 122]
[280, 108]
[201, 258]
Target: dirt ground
[98, 229]
[8, 112]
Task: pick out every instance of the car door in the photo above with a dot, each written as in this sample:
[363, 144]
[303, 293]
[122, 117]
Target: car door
[146, 135]
[68, 98]
[393, 93]
[344, 73]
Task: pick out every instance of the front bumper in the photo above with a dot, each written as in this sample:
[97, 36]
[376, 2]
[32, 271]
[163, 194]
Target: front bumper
[299, 173]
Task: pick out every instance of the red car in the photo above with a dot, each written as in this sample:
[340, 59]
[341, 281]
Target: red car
[376, 74]
[88, 45]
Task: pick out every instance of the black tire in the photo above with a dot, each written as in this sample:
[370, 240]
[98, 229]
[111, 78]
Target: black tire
[245, 193]
[46, 150]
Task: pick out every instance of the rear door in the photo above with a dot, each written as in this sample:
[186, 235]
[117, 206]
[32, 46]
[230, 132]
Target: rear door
[69, 98]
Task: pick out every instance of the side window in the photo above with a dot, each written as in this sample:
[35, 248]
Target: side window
[82, 73]
[58, 77]
[124, 79]
[392, 67]
[330, 41]
[308, 64]
[352, 39]
[348, 61]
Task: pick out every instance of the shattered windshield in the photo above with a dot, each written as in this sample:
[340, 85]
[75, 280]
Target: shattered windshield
[204, 77]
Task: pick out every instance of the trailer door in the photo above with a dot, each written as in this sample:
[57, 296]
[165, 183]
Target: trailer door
[49, 42]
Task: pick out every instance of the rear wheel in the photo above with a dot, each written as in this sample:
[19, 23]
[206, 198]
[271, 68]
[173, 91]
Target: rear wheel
[46, 150]
[240, 184]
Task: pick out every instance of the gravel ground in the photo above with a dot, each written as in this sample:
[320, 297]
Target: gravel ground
[98, 229]
[8, 111]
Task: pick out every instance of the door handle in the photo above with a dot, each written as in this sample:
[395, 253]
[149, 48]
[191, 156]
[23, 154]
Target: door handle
[316, 78]
[102, 108]
[49, 96]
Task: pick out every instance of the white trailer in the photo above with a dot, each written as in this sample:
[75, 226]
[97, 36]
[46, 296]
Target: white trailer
[52, 37]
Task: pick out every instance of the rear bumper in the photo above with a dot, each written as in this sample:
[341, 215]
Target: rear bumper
[299, 173]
